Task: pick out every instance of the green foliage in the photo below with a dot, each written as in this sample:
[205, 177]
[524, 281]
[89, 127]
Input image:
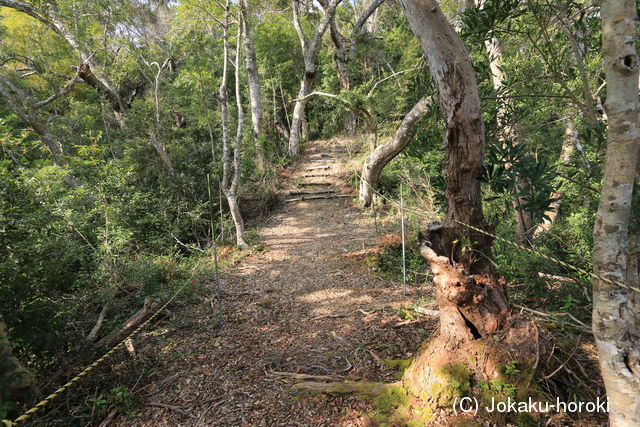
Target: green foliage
[510, 171]
[390, 262]
[511, 368]
[122, 398]
[496, 387]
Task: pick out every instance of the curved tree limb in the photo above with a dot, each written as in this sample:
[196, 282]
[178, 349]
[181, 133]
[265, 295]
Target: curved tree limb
[382, 155]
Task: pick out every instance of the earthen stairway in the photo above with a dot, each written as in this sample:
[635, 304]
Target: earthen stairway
[316, 178]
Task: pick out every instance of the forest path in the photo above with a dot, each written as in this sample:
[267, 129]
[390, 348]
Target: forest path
[312, 266]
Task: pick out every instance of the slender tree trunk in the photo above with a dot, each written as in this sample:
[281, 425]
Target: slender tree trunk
[382, 155]
[524, 218]
[371, 20]
[305, 132]
[295, 133]
[231, 161]
[341, 58]
[253, 78]
[309, 52]
[569, 142]
[156, 134]
[345, 48]
[473, 305]
[616, 311]
[238, 222]
[462, 6]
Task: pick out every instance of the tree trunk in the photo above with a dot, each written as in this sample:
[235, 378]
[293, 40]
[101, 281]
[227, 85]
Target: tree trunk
[162, 152]
[156, 134]
[474, 311]
[345, 48]
[524, 218]
[253, 78]
[295, 133]
[382, 155]
[341, 58]
[16, 379]
[231, 166]
[569, 142]
[616, 320]
[309, 51]
[238, 222]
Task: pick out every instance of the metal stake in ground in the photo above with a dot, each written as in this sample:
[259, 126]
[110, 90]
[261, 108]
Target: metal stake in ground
[221, 216]
[375, 214]
[404, 258]
[215, 253]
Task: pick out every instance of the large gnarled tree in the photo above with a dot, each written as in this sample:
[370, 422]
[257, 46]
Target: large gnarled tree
[478, 334]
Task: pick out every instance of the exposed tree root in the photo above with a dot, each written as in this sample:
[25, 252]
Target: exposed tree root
[359, 388]
[299, 376]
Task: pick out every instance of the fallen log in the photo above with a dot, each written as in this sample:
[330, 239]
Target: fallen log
[149, 306]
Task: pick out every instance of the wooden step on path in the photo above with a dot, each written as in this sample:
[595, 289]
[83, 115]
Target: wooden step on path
[312, 168]
[321, 157]
[324, 196]
[311, 184]
[312, 192]
[315, 175]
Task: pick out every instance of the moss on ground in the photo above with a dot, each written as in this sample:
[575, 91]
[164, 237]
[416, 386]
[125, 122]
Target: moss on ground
[396, 406]
[399, 365]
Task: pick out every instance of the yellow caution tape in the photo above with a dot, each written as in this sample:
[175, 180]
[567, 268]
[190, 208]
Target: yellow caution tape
[91, 367]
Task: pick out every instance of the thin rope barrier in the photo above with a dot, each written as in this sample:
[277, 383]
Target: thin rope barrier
[532, 251]
[91, 367]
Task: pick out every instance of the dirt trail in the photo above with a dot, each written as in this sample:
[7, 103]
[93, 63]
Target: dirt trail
[273, 305]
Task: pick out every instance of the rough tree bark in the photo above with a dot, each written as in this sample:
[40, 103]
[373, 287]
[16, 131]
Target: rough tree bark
[309, 51]
[17, 379]
[616, 311]
[231, 167]
[253, 77]
[474, 312]
[382, 155]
